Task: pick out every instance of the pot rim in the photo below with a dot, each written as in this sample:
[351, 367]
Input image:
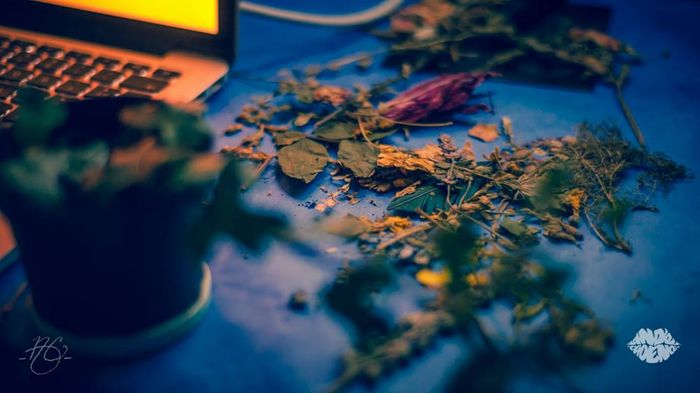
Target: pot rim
[147, 340]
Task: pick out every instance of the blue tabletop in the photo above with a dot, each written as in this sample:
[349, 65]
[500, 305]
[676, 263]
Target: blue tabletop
[251, 342]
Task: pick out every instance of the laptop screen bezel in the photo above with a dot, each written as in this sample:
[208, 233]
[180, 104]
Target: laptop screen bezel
[124, 33]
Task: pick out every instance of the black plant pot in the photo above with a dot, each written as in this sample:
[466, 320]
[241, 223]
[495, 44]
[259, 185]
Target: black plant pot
[113, 276]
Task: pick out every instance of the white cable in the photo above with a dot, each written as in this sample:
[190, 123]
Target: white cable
[358, 18]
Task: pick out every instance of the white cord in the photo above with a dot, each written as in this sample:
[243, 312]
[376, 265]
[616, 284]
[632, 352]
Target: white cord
[358, 18]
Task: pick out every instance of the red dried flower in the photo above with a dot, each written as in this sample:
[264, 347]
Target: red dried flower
[443, 94]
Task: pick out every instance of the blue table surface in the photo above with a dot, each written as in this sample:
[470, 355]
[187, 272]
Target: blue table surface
[251, 342]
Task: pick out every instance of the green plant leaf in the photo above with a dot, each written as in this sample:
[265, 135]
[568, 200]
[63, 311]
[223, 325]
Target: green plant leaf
[348, 226]
[359, 157]
[424, 198]
[430, 198]
[523, 234]
[303, 160]
[287, 138]
[336, 131]
[37, 118]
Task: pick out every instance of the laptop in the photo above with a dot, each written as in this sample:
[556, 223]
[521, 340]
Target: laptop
[171, 50]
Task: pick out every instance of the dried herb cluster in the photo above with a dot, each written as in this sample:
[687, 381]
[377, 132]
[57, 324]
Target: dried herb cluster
[464, 226]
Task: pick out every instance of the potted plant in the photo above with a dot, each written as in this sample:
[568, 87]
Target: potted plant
[105, 199]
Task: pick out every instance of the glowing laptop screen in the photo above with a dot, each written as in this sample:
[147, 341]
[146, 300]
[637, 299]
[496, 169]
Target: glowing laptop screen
[201, 15]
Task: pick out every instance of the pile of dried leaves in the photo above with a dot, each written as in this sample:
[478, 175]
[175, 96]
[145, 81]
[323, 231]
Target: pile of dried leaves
[544, 41]
[461, 225]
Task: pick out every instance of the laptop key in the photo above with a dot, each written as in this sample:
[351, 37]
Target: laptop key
[16, 76]
[138, 69]
[78, 70]
[7, 91]
[24, 59]
[44, 81]
[24, 45]
[72, 88]
[79, 57]
[51, 65]
[165, 74]
[143, 84]
[102, 92]
[107, 77]
[49, 50]
[106, 62]
[131, 94]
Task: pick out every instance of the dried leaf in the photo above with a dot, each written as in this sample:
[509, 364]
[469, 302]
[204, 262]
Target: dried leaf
[507, 126]
[303, 160]
[346, 226]
[484, 132]
[392, 157]
[303, 119]
[523, 234]
[336, 131]
[287, 137]
[433, 279]
[359, 157]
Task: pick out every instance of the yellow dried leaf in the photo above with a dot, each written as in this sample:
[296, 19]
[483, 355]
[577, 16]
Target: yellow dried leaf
[574, 198]
[392, 157]
[507, 125]
[408, 190]
[394, 223]
[233, 128]
[484, 132]
[433, 279]
[467, 152]
[303, 119]
[478, 279]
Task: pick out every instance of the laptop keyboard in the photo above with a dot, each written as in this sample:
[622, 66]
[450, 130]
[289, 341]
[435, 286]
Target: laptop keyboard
[67, 75]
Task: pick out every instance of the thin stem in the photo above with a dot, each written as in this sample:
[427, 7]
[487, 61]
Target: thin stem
[258, 172]
[408, 232]
[630, 117]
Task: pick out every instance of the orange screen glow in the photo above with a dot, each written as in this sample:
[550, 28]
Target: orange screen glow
[199, 15]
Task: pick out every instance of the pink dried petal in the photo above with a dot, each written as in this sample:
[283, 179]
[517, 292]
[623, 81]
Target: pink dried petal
[438, 95]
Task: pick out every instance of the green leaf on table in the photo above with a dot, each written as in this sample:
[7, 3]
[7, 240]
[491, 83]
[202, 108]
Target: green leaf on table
[522, 233]
[287, 138]
[303, 160]
[523, 311]
[359, 157]
[336, 131]
[37, 118]
[426, 198]
[377, 135]
[348, 226]
[430, 198]
[37, 175]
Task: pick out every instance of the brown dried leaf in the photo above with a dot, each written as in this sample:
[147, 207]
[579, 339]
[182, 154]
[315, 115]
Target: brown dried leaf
[484, 132]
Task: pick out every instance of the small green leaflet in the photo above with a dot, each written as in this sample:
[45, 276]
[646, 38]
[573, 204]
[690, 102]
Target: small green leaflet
[303, 160]
[287, 137]
[523, 234]
[336, 131]
[431, 198]
[359, 157]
